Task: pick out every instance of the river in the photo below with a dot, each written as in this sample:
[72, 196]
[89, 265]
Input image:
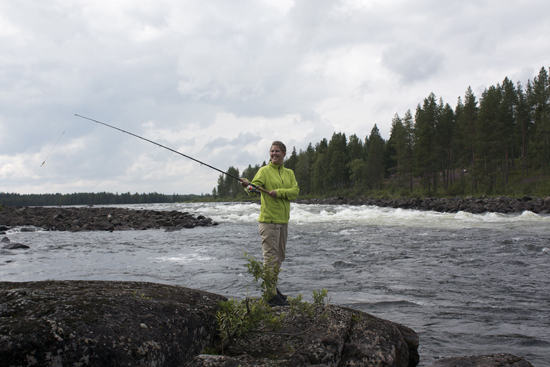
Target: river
[467, 284]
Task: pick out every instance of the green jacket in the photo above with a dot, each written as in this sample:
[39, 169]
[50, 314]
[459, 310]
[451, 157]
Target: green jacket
[282, 180]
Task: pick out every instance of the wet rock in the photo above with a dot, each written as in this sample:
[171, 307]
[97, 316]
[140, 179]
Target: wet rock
[15, 246]
[341, 337]
[492, 360]
[102, 323]
[377, 342]
[12, 246]
[98, 219]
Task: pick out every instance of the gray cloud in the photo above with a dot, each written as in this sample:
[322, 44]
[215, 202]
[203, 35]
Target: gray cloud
[220, 80]
[413, 62]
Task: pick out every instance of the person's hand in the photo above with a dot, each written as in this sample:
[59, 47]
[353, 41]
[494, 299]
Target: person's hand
[273, 194]
[244, 182]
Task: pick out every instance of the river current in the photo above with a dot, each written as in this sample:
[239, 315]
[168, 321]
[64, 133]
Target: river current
[467, 284]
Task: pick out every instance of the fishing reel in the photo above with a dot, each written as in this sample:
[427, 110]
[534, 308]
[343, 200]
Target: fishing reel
[253, 189]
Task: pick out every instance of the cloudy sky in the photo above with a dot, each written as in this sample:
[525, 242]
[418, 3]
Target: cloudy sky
[219, 80]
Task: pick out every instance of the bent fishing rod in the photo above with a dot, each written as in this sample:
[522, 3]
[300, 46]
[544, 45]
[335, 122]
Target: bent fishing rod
[253, 188]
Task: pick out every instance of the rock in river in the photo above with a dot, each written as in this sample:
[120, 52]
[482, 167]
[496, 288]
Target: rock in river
[78, 219]
[94, 323]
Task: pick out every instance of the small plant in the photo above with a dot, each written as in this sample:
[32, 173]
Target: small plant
[238, 318]
[319, 296]
[356, 317]
[209, 350]
[268, 274]
[142, 295]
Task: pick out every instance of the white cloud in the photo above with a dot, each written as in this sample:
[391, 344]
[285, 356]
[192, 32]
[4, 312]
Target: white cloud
[219, 81]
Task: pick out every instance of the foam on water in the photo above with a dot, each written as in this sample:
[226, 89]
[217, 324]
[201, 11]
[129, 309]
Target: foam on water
[304, 214]
[377, 216]
[183, 258]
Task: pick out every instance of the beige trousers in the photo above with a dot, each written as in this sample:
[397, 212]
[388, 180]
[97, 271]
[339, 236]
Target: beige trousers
[273, 242]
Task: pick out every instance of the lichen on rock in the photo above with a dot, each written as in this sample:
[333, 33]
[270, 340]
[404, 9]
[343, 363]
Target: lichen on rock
[97, 323]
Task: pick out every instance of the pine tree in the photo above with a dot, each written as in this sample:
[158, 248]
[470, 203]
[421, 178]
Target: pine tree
[375, 159]
[488, 136]
[408, 160]
[391, 161]
[355, 147]
[445, 137]
[291, 161]
[356, 166]
[303, 169]
[540, 104]
[524, 124]
[338, 157]
[319, 171]
[234, 187]
[466, 134]
[507, 117]
[426, 144]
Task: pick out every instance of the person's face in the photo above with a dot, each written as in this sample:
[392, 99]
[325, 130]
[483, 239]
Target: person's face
[277, 155]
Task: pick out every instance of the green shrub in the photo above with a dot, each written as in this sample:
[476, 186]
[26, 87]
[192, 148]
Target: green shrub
[237, 318]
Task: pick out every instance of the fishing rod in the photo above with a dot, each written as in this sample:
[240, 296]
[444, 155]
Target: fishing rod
[52, 149]
[252, 187]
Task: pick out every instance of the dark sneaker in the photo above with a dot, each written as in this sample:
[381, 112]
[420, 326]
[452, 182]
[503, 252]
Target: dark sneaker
[276, 300]
[281, 295]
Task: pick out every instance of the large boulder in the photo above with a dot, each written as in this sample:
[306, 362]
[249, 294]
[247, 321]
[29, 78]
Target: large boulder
[95, 323]
[335, 336]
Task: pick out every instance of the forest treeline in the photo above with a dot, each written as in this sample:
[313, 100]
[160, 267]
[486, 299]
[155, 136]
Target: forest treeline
[100, 198]
[496, 144]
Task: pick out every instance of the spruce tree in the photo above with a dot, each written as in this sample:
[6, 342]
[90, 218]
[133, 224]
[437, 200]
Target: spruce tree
[375, 160]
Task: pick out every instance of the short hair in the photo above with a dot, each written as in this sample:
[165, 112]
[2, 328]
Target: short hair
[280, 145]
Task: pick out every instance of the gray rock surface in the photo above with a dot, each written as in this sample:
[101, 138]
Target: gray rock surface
[12, 245]
[77, 219]
[345, 337]
[95, 323]
[15, 246]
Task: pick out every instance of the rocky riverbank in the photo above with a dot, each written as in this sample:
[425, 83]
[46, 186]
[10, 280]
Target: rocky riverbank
[94, 323]
[102, 323]
[475, 205]
[77, 219]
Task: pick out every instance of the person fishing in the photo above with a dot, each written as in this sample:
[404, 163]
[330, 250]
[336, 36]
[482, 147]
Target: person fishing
[279, 188]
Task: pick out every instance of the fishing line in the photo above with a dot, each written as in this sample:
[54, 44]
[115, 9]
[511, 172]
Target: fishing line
[172, 150]
[52, 149]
